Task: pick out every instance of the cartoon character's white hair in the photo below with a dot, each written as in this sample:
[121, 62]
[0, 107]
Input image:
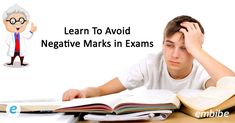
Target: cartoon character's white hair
[15, 9]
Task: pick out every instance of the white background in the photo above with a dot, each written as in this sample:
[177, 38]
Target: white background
[51, 71]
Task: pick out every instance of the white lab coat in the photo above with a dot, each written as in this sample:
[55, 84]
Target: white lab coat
[24, 37]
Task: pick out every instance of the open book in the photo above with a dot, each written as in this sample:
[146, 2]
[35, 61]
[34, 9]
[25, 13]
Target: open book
[120, 103]
[146, 105]
[211, 101]
[123, 103]
[197, 103]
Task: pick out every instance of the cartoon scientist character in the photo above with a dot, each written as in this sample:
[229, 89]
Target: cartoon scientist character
[16, 19]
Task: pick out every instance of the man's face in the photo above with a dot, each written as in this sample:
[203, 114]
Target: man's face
[175, 53]
[16, 22]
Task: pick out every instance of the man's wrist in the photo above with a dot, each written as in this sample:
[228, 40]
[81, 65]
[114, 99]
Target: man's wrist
[197, 53]
[83, 93]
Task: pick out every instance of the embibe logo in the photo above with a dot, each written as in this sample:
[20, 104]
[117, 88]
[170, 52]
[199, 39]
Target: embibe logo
[13, 110]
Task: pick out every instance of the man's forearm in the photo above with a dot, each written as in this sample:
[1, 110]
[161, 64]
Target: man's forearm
[214, 68]
[91, 92]
[111, 87]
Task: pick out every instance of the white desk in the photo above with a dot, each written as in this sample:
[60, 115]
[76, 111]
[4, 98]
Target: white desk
[38, 118]
[176, 117]
[179, 117]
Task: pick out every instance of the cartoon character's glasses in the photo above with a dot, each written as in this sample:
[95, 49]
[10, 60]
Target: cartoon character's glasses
[13, 20]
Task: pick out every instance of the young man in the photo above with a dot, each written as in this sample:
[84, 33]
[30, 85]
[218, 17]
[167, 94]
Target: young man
[16, 19]
[174, 68]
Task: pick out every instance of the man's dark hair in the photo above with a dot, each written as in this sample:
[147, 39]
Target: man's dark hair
[174, 25]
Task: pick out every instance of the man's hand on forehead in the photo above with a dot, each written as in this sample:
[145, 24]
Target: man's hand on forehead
[193, 36]
[191, 26]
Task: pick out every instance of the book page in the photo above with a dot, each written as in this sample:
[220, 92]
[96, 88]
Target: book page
[109, 100]
[153, 96]
[202, 100]
[226, 82]
[146, 115]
